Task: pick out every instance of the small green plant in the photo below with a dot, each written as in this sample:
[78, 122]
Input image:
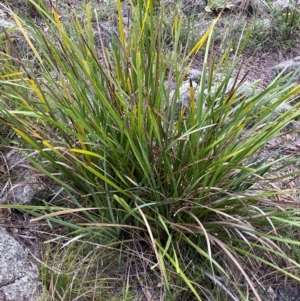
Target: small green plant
[289, 22]
[279, 28]
[195, 186]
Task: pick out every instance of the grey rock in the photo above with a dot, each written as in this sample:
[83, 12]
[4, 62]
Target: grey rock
[193, 7]
[126, 14]
[286, 293]
[184, 93]
[24, 183]
[284, 4]
[194, 74]
[218, 32]
[286, 67]
[106, 29]
[19, 279]
[103, 30]
[246, 89]
[237, 2]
